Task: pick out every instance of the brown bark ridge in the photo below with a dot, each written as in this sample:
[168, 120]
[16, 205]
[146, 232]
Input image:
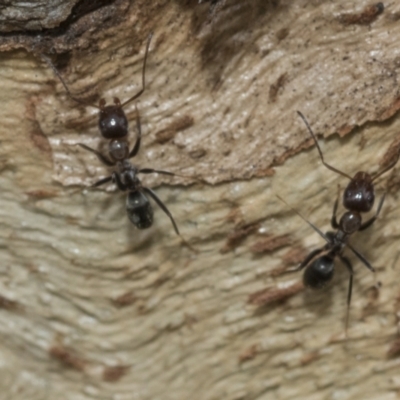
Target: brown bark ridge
[94, 309]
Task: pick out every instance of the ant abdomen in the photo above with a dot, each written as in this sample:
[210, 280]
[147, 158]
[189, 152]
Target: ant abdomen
[113, 123]
[139, 209]
[359, 194]
[319, 272]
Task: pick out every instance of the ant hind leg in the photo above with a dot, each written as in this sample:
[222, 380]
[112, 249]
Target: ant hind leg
[136, 147]
[348, 265]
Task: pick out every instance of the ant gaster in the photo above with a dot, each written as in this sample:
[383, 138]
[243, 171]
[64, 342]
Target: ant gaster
[358, 197]
[113, 125]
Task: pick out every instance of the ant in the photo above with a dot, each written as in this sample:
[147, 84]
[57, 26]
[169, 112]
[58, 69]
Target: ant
[320, 263]
[358, 197]
[113, 125]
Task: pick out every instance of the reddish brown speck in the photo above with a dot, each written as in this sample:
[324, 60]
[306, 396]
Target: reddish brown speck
[114, 374]
[67, 357]
[366, 17]
[271, 295]
[270, 244]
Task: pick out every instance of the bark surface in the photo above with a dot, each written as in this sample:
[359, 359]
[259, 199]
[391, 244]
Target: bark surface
[91, 308]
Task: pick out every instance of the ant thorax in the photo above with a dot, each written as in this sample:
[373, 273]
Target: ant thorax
[118, 149]
[128, 174]
[337, 240]
[350, 222]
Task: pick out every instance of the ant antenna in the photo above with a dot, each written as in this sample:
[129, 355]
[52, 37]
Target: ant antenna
[52, 66]
[305, 219]
[390, 166]
[139, 93]
[319, 149]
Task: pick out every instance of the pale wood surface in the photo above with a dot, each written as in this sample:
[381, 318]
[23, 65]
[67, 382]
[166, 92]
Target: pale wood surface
[103, 311]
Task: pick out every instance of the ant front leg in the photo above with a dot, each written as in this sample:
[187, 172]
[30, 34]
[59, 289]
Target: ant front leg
[136, 147]
[334, 222]
[368, 223]
[100, 156]
[155, 171]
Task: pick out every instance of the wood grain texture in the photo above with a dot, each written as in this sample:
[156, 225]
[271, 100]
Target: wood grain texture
[92, 308]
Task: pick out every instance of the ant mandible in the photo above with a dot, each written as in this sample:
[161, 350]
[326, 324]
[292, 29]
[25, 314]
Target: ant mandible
[113, 125]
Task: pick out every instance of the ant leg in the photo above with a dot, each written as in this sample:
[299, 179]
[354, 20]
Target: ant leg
[368, 223]
[139, 93]
[361, 257]
[347, 263]
[117, 180]
[100, 156]
[160, 171]
[163, 207]
[306, 261]
[102, 181]
[136, 147]
[157, 171]
[334, 222]
[319, 149]
[114, 177]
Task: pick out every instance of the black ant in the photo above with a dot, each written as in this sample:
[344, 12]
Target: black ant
[113, 125]
[358, 197]
[320, 263]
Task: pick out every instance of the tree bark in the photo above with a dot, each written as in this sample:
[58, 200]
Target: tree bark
[94, 308]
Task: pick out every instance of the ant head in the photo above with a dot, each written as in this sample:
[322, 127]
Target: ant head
[359, 194]
[113, 123]
[118, 149]
[319, 272]
[350, 222]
